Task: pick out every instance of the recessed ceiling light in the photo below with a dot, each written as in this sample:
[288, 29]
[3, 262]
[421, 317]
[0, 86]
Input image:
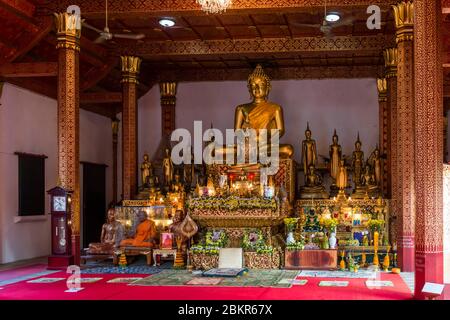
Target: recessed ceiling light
[332, 17]
[167, 23]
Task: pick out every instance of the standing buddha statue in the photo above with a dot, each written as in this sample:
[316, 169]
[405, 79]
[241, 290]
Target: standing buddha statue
[376, 162]
[357, 163]
[167, 165]
[335, 157]
[309, 151]
[146, 171]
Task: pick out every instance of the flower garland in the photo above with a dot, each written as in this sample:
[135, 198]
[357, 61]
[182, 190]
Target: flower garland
[216, 238]
[210, 251]
[299, 245]
[375, 225]
[231, 203]
[291, 223]
[253, 239]
[329, 224]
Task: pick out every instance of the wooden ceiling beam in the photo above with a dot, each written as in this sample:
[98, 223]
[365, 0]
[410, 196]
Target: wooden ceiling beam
[29, 69]
[21, 7]
[96, 74]
[40, 87]
[131, 8]
[100, 97]
[239, 47]
[45, 26]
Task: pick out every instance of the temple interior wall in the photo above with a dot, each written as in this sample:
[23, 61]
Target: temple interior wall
[28, 124]
[349, 105]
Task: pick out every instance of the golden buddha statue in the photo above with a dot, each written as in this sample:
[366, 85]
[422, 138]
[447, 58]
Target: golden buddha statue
[342, 177]
[145, 233]
[167, 165]
[112, 234]
[357, 163]
[260, 113]
[146, 171]
[313, 188]
[309, 151]
[376, 162]
[335, 157]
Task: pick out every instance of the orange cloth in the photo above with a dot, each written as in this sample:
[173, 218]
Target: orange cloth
[145, 232]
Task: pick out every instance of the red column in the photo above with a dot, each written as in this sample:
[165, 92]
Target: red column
[68, 46]
[429, 144]
[404, 15]
[130, 72]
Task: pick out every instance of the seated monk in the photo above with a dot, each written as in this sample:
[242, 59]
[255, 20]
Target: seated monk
[112, 234]
[145, 233]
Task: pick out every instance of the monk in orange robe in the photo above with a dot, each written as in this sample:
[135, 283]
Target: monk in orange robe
[145, 233]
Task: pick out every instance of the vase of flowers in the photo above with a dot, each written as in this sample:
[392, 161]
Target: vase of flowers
[291, 224]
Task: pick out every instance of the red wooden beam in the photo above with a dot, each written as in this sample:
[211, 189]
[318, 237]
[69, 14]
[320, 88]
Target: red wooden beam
[29, 69]
[22, 7]
[96, 74]
[100, 97]
[45, 27]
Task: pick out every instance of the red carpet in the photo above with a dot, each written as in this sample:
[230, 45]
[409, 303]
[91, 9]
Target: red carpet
[102, 290]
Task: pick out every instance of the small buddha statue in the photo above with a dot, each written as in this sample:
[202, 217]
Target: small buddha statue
[309, 151]
[342, 179]
[357, 163]
[335, 157]
[189, 173]
[260, 113]
[167, 165]
[376, 162]
[313, 188]
[177, 186]
[145, 233]
[112, 234]
[146, 171]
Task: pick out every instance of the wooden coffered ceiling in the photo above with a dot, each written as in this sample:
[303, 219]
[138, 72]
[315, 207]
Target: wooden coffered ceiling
[283, 35]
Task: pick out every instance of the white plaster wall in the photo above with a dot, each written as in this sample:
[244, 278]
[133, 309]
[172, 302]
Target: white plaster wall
[349, 105]
[28, 124]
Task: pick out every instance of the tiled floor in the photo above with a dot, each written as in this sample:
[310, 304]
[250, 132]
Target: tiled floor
[408, 277]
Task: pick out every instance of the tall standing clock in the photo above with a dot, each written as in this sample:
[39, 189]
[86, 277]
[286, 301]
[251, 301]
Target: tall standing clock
[61, 256]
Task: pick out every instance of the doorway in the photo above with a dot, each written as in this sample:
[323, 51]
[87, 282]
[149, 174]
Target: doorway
[94, 201]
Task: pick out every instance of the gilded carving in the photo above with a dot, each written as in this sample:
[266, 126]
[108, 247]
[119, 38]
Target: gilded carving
[67, 31]
[168, 91]
[130, 67]
[404, 20]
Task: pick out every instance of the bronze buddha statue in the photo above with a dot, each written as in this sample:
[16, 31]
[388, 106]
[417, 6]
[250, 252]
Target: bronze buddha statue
[313, 188]
[111, 236]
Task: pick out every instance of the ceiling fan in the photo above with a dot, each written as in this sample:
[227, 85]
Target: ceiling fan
[328, 23]
[105, 34]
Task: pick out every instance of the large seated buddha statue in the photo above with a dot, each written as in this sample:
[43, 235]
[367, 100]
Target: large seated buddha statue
[260, 113]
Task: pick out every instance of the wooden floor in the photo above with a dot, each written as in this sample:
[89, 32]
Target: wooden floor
[23, 263]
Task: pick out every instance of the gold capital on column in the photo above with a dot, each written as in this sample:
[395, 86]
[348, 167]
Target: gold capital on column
[68, 31]
[130, 68]
[382, 89]
[404, 20]
[391, 62]
[168, 89]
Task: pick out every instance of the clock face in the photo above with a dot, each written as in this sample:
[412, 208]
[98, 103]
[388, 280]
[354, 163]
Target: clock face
[59, 204]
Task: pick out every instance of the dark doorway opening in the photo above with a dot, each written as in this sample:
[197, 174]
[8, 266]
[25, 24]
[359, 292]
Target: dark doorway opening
[94, 201]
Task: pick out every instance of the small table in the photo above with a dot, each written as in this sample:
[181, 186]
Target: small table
[135, 251]
[164, 252]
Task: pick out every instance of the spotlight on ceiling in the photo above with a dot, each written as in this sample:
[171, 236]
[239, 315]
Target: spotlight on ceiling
[332, 17]
[167, 22]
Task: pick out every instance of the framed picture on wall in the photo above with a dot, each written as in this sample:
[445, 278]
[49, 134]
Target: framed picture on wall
[166, 240]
